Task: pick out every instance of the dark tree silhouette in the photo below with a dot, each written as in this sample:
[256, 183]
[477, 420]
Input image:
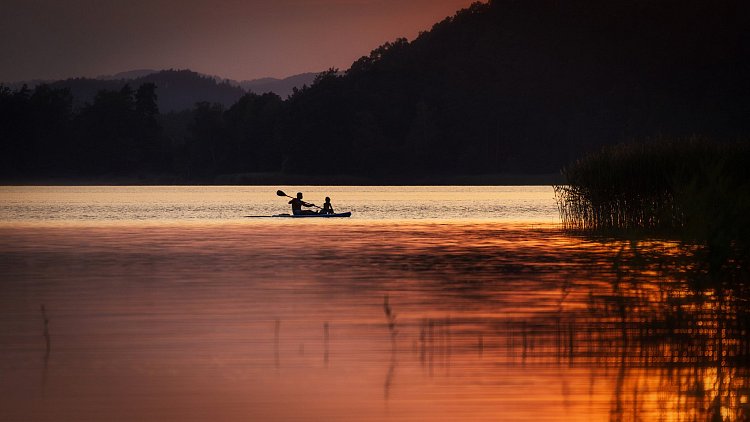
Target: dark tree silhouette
[207, 145]
[502, 87]
[251, 125]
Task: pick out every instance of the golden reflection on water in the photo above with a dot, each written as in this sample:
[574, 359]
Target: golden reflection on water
[204, 204]
[376, 321]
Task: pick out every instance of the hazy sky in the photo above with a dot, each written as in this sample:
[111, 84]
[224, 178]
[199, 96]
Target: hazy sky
[51, 39]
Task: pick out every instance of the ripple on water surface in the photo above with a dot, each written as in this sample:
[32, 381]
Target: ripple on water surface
[387, 316]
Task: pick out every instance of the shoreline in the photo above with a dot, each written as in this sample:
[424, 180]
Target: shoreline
[269, 179]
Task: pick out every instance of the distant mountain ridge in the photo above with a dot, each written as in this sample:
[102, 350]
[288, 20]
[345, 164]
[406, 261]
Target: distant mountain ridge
[129, 74]
[281, 87]
[176, 89]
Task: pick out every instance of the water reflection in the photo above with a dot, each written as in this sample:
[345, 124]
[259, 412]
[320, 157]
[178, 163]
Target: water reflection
[392, 321]
[674, 352]
[48, 344]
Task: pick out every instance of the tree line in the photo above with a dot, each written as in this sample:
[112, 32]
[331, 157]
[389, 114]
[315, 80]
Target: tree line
[501, 87]
[122, 133]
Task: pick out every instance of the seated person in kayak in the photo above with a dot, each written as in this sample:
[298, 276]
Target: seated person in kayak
[327, 207]
[298, 203]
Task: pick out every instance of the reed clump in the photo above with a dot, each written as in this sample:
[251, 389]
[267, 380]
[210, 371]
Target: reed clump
[694, 187]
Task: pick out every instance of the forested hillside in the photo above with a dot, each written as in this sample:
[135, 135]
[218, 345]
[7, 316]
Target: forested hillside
[504, 87]
[528, 85]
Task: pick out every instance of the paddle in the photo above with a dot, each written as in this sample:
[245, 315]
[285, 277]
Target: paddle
[281, 193]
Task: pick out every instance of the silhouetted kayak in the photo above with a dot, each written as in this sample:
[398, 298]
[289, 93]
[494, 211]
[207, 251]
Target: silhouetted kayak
[341, 214]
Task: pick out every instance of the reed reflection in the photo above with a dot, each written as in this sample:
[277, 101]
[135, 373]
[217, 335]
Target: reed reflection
[48, 347]
[677, 341]
[455, 322]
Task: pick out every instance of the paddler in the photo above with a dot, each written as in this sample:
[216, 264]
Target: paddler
[298, 203]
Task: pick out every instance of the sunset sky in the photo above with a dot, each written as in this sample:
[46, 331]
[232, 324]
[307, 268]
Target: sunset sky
[238, 39]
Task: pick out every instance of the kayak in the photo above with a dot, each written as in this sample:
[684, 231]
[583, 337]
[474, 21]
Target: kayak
[341, 214]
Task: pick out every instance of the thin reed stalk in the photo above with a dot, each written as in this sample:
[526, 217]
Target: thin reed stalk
[658, 185]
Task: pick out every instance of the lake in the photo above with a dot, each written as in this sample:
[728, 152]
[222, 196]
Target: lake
[430, 303]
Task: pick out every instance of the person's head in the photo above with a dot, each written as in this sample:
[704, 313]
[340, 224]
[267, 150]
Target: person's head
[328, 199]
[299, 195]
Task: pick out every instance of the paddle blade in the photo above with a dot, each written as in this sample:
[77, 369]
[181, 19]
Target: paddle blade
[280, 193]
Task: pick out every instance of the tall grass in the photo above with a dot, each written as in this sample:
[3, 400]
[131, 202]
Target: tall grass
[695, 188]
[659, 184]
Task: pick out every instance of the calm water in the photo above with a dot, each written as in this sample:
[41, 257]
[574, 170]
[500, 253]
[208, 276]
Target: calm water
[447, 303]
[230, 204]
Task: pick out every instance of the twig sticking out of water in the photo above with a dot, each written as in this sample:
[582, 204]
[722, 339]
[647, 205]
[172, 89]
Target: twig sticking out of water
[447, 333]
[46, 332]
[433, 344]
[391, 317]
[277, 331]
[326, 338]
[48, 343]
[431, 340]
